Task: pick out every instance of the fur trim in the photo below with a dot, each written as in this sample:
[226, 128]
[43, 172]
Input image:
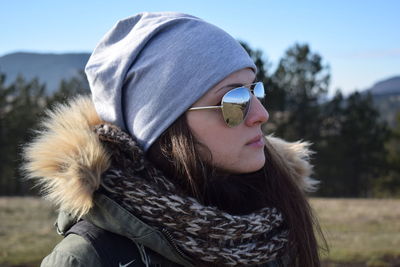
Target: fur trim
[296, 156]
[67, 158]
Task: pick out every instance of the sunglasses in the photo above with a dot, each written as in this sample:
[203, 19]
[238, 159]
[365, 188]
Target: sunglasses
[235, 104]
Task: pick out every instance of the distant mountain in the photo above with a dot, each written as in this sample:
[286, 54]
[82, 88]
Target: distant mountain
[385, 87]
[49, 68]
[386, 95]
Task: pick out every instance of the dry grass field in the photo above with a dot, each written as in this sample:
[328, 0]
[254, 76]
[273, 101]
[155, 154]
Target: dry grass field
[360, 232]
[363, 232]
[26, 231]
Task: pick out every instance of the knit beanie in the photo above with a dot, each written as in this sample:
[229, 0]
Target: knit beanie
[151, 67]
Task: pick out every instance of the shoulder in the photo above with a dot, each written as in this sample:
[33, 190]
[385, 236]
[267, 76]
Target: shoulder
[73, 250]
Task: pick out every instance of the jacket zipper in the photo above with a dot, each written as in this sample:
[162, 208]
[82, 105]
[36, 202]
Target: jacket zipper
[170, 239]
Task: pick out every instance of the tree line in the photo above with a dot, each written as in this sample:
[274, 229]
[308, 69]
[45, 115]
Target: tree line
[357, 154]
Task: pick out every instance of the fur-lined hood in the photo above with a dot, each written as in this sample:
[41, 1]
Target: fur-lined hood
[67, 158]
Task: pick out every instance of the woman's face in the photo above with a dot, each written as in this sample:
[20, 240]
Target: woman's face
[236, 150]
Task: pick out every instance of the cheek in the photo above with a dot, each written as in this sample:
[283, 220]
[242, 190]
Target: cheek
[226, 149]
[212, 132]
[225, 144]
[219, 142]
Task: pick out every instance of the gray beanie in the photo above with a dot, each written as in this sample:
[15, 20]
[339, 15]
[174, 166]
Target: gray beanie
[151, 67]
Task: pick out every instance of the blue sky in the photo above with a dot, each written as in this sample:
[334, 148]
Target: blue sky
[360, 40]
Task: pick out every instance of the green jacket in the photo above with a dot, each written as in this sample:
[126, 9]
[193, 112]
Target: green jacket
[73, 250]
[68, 159]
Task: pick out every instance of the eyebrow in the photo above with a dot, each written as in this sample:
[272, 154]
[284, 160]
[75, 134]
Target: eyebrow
[233, 85]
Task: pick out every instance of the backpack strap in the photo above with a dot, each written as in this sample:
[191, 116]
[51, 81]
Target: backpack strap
[112, 249]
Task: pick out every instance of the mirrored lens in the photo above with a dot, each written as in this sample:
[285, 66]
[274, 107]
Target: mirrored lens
[235, 105]
[259, 91]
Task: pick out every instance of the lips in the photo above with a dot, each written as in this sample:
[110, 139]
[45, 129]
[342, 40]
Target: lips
[258, 141]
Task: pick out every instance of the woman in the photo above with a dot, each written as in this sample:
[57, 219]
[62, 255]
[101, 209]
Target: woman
[166, 164]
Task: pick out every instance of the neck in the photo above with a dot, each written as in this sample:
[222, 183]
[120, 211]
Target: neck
[236, 194]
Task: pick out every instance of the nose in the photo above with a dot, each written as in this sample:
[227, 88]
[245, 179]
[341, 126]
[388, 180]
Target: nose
[257, 114]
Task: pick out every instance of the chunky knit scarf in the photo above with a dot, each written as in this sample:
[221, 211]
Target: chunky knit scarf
[202, 232]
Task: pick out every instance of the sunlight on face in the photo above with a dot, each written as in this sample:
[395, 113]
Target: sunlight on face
[236, 150]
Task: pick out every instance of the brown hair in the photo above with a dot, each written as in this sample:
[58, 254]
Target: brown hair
[176, 153]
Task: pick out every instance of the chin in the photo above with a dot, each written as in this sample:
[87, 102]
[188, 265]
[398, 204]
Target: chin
[246, 163]
[257, 167]
[254, 164]
[257, 159]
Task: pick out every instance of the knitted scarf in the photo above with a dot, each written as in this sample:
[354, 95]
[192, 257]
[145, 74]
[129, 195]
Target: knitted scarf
[204, 233]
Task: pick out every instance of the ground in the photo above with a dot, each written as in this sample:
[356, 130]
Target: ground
[360, 232]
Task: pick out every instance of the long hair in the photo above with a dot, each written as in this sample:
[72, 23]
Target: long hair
[176, 153]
